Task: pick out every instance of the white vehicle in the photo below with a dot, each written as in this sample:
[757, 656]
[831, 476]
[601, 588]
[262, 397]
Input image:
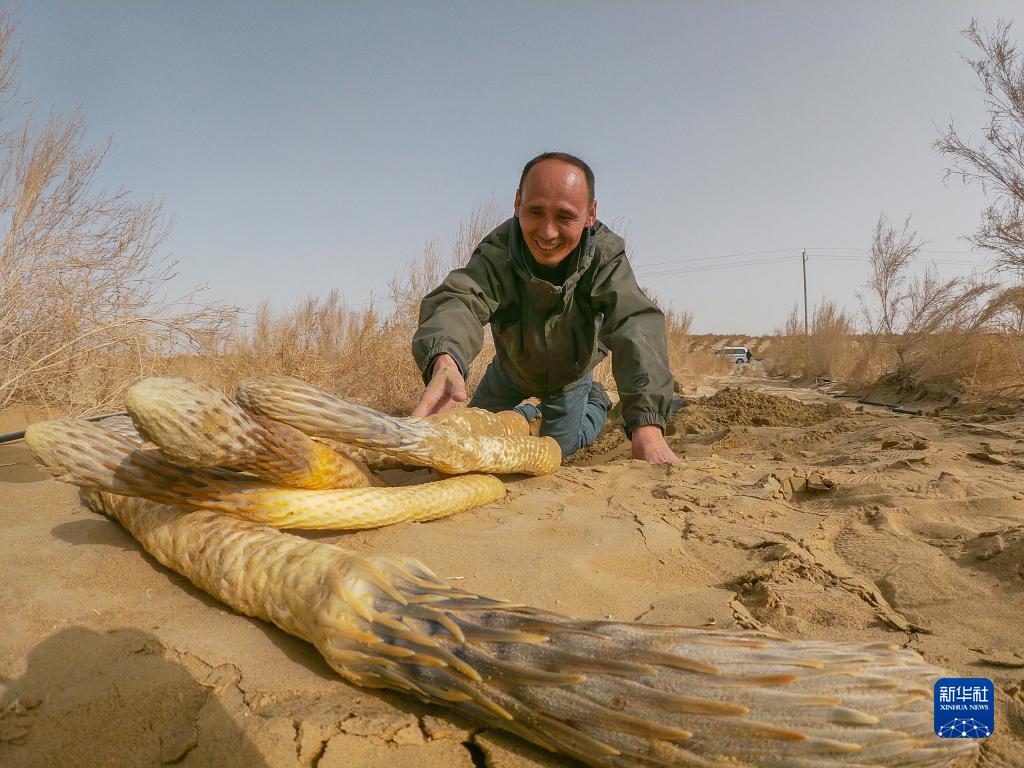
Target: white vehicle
[734, 354]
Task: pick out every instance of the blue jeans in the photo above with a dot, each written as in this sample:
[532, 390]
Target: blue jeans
[569, 415]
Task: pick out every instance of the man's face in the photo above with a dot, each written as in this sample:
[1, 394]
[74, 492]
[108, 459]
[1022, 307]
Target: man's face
[554, 208]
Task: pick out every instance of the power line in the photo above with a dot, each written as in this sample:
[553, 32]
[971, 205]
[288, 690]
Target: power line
[796, 252]
[920, 261]
[919, 250]
[714, 258]
[779, 260]
[709, 267]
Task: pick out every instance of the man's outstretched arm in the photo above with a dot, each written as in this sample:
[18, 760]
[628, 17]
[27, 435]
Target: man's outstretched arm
[634, 330]
[451, 329]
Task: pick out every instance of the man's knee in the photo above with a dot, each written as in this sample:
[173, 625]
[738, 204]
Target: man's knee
[575, 431]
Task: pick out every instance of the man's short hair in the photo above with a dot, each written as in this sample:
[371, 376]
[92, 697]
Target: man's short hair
[565, 157]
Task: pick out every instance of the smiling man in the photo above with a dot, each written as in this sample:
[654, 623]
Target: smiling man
[555, 286]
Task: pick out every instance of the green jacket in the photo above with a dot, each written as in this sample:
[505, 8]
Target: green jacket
[547, 337]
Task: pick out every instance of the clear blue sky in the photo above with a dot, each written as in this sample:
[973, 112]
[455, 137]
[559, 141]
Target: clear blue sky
[305, 146]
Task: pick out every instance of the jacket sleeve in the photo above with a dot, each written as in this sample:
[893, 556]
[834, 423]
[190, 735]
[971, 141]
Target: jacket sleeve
[634, 331]
[453, 315]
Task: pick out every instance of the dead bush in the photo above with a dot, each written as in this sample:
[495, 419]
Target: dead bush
[997, 163]
[830, 350]
[81, 284]
[788, 355]
[993, 364]
[925, 325]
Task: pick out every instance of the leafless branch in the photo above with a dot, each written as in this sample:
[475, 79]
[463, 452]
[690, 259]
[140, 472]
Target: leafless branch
[997, 162]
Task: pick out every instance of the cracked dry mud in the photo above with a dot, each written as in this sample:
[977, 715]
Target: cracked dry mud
[788, 510]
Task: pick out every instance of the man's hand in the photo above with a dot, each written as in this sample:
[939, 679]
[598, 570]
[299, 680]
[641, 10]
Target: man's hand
[649, 444]
[446, 388]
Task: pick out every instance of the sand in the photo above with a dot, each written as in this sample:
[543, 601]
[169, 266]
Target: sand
[789, 510]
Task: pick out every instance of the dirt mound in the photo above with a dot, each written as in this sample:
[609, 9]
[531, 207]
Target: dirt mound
[981, 409]
[728, 407]
[1000, 551]
[745, 407]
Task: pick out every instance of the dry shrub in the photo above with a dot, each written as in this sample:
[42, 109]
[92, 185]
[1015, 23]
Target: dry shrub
[830, 350]
[924, 333]
[362, 355]
[927, 329]
[677, 334]
[1010, 326]
[788, 355]
[323, 342]
[81, 308]
[991, 360]
[997, 163]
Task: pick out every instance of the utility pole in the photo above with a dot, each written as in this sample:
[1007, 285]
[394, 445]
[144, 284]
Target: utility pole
[804, 260]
